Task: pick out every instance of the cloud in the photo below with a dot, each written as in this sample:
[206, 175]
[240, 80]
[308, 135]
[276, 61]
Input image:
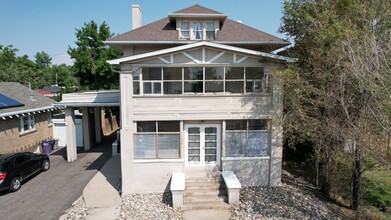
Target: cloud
[62, 59]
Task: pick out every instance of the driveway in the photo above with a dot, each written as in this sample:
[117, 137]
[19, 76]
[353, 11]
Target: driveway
[48, 194]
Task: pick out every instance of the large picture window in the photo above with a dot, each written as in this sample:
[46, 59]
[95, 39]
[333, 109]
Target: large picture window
[157, 140]
[247, 138]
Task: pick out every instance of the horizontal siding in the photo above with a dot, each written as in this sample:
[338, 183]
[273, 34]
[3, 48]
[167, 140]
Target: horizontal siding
[201, 107]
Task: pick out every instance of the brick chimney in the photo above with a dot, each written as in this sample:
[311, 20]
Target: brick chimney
[136, 16]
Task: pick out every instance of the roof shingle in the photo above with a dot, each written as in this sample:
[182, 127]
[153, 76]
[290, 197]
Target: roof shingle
[22, 94]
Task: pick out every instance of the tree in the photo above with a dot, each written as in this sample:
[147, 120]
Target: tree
[335, 95]
[90, 56]
[20, 69]
[43, 59]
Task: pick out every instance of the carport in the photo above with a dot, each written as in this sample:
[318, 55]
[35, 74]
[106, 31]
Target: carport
[85, 101]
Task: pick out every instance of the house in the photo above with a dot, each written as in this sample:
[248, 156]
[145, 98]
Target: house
[25, 118]
[197, 90]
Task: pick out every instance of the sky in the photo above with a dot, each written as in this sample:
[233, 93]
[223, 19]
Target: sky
[33, 26]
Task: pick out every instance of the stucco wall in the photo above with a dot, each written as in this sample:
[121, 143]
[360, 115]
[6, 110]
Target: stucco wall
[250, 172]
[153, 176]
[12, 141]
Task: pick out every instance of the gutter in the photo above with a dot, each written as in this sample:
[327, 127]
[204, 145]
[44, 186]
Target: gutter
[17, 113]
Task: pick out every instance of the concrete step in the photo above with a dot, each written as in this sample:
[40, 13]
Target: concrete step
[206, 205]
[204, 187]
[205, 192]
[203, 174]
[203, 179]
[205, 198]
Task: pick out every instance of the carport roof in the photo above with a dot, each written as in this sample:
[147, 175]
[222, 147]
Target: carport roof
[91, 99]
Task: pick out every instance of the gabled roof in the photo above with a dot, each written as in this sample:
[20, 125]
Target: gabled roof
[164, 30]
[197, 9]
[201, 44]
[23, 94]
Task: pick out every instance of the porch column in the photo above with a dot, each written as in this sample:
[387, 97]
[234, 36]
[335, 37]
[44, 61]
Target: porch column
[86, 129]
[98, 125]
[127, 129]
[71, 134]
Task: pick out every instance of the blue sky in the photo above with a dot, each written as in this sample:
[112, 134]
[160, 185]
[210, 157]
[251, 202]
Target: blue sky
[49, 25]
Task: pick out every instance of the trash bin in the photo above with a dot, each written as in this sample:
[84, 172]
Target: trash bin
[47, 147]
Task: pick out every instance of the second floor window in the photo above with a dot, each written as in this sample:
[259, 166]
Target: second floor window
[197, 31]
[201, 80]
[185, 29]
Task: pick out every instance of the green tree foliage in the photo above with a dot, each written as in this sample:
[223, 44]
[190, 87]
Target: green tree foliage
[43, 59]
[19, 69]
[90, 56]
[339, 89]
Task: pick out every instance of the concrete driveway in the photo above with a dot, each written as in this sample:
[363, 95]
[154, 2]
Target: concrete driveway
[48, 194]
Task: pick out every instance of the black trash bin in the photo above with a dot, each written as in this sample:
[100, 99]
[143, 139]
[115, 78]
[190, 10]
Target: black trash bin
[47, 147]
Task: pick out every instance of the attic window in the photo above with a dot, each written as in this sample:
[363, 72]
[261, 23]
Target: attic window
[197, 28]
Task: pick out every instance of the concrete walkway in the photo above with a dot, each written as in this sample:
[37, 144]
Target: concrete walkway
[101, 195]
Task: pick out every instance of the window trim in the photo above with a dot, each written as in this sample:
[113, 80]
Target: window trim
[31, 124]
[267, 130]
[203, 30]
[157, 133]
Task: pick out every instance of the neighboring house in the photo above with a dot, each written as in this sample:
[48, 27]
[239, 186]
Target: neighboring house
[45, 93]
[197, 90]
[25, 118]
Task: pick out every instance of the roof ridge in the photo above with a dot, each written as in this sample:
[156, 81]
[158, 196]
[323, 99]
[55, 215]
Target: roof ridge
[197, 6]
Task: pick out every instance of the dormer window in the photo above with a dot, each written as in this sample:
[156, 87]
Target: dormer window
[185, 30]
[210, 30]
[197, 30]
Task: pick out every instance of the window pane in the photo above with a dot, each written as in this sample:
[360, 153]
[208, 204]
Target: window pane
[234, 86]
[234, 73]
[210, 26]
[144, 146]
[194, 73]
[257, 125]
[172, 87]
[250, 87]
[210, 35]
[185, 34]
[194, 144]
[168, 145]
[136, 77]
[254, 72]
[217, 86]
[194, 86]
[147, 88]
[136, 87]
[257, 143]
[232, 125]
[168, 126]
[214, 73]
[185, 25]
[157, 87]
[172, 73]
[146, 126]
[152, 73]
[235, 144]
[197, 30]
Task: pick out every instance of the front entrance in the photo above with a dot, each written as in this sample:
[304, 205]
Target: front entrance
[202, 144]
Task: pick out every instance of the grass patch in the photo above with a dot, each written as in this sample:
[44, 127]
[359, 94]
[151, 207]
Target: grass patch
[377, 187]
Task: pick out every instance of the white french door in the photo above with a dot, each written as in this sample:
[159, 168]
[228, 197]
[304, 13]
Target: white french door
[202, 144]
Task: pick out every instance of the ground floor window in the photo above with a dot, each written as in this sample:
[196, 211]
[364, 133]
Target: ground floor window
[247, 138]
[157, 140]
[27, 123]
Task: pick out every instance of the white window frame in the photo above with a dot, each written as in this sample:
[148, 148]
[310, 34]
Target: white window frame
[191, 30]
[30, 123]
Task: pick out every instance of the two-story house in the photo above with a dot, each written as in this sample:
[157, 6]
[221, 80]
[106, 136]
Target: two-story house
[197, 90]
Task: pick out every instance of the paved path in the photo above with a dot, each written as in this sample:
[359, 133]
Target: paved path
[48, 194]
